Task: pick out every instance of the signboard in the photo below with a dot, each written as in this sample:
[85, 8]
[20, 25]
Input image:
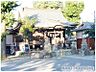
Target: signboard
[9, 39]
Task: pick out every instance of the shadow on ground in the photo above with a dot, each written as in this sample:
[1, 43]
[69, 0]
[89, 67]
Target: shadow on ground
[51, 64]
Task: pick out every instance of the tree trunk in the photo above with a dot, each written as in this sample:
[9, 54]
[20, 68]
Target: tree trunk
[3, 49]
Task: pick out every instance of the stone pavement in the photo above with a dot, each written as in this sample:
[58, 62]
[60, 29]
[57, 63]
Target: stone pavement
[66, 63]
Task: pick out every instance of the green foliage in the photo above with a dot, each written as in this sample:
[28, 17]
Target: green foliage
[48, 4]
[27, 23]
[6, 16]
[7, 6]
[8, 19]
[72, 11]
[27, 26]
[21, 54]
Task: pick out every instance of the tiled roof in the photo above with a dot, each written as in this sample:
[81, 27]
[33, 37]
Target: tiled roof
[46, 17]
[84, 26]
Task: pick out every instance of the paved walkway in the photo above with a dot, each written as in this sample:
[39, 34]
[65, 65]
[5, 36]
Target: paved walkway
[66, 63]
[92, 57]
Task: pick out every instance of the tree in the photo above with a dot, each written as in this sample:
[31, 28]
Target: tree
[6, 16]
[48, 4]
[8, 19]
[7, 6]
[27, 27]
[72, 11]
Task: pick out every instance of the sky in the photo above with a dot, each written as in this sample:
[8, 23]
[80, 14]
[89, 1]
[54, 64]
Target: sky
[86, 15]
[88, 12]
